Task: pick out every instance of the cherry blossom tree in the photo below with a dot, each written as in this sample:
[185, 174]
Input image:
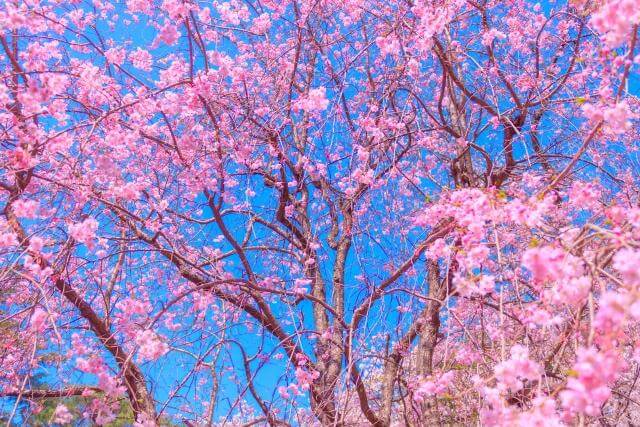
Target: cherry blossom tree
[319, 212]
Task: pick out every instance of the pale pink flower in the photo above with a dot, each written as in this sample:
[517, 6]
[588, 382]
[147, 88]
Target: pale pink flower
[25, 208]
[584, 195]
[168, 34]
[434, 386]
[116, 55]
[38, 320]
[615, 21]
[36, 244]
[150, 346]
[8, 239]
[84, 232]
[491, 35]
[145, 420]
[315, 101]
[141, 59]
[62, 415]
[590, 389]
[519, 367]
[627, 262]
[261, 24]
[618, 117]
[612, 312]
[550, 263]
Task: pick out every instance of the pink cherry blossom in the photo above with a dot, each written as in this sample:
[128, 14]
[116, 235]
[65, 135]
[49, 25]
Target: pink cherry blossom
[519, 367]
[62, 415]
[315, 101]
[38, 321]
[85, 231]
[626, 261]
[150, 346]
[590, 389]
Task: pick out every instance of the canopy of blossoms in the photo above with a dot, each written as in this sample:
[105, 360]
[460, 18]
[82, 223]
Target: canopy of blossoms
[319, 212]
